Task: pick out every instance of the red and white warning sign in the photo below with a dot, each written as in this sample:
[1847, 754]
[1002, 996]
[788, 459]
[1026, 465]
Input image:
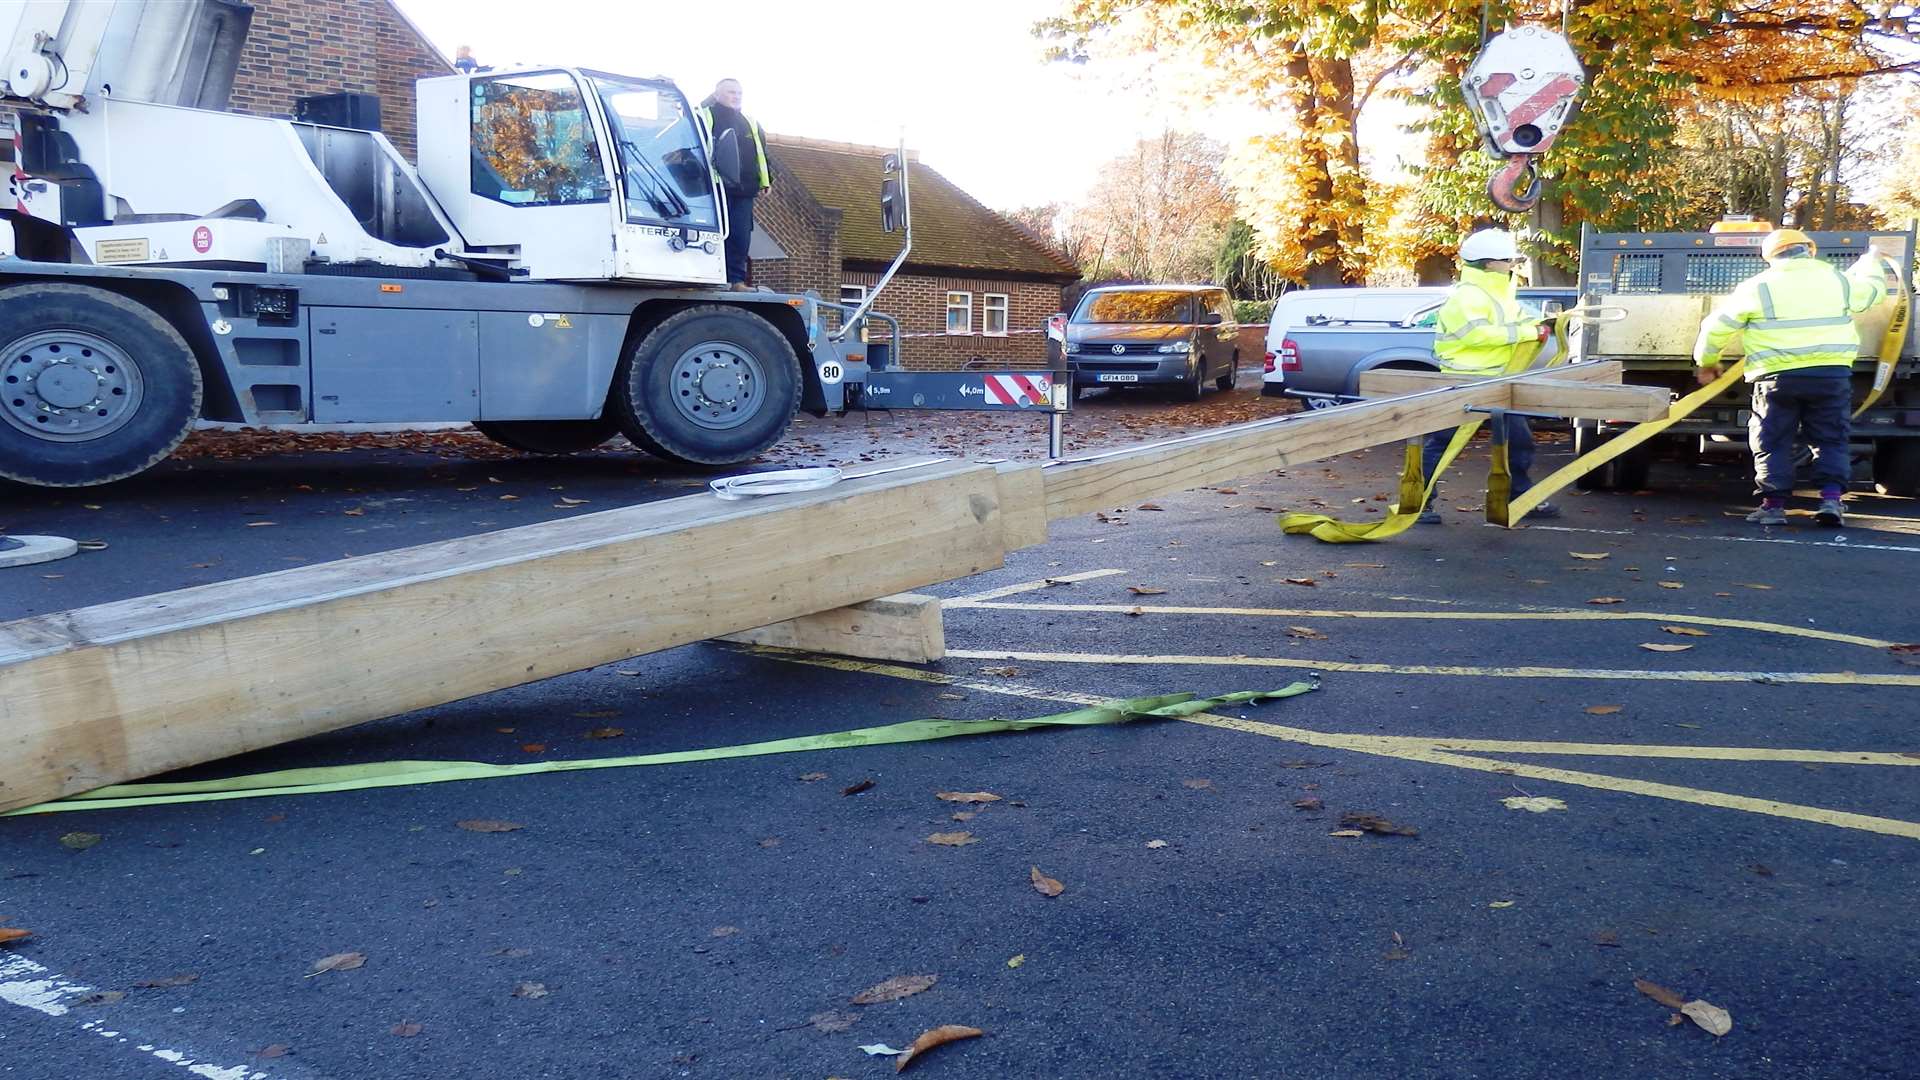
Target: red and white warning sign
[1020, 390]
[203, 239]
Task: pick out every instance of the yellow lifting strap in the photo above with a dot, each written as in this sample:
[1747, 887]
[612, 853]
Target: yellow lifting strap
[1415, 489]
[1891, 341]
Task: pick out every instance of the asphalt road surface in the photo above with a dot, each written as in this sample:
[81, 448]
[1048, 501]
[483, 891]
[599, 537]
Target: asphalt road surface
[1738, 821]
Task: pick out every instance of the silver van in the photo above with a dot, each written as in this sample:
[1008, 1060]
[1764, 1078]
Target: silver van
[1181, 336]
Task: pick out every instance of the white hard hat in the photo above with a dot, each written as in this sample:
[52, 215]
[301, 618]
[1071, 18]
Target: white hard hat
[1489, 244]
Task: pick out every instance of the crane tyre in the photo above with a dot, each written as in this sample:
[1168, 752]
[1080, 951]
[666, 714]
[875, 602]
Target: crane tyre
[710, 385]
[94, 386]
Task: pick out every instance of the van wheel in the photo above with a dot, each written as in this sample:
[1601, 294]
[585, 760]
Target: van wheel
[711, 385]
[549, 436]
[1195, 384]
[94, 386]
[1232, 377]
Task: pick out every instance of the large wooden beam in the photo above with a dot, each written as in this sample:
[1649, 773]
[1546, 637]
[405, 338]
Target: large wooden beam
[124, 690]
[1590, 390]
[111, 693]
[906, 628]
[1392, 382]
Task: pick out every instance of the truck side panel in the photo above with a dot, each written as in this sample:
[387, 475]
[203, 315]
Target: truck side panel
[394, 366]
[547, 366]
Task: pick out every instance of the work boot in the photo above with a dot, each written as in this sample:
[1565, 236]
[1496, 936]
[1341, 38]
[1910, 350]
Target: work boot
[1830, 514]
[1546, 511]
[1768, 514]
[1431, 516]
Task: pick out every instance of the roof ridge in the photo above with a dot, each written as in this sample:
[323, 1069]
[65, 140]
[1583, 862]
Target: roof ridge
[1022, 233]
[837, 146]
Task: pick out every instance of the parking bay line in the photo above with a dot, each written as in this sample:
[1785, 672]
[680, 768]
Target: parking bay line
[1027, 586]
[1427, 751]
[1895, 548]
[1523, 616]
[1813, 678]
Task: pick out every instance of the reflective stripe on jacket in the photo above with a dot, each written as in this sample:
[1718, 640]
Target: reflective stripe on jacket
[759, 144]
[1797, 313]
[1481, 323]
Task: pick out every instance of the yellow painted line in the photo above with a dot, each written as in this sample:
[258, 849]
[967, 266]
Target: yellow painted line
[1696, 753]
[1430, 751]
[1814, 678]
[1027, 586]
[1697, 796]
[1448, 616]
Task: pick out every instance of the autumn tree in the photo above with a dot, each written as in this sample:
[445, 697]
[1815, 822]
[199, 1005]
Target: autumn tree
[1156, 214]
[1313, 65]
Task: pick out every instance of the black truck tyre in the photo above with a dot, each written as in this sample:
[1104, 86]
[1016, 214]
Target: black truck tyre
[1896, 467]
[1232, 377]
[1585, 440]
[549, 436]
[711, 385]
[94, 386]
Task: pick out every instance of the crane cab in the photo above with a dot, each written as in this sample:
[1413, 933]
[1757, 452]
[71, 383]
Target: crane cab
[572, 175]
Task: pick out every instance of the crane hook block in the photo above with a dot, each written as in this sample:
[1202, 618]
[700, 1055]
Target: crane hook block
[1522, 89]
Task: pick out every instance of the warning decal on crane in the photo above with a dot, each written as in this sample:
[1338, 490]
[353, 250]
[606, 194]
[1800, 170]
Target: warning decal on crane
[1019, 390]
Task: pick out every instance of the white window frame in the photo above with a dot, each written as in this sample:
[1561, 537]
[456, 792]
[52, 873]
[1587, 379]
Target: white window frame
[858, 294]
[966, 305]
[987, 309]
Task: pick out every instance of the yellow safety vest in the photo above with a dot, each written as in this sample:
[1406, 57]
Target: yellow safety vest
[1797, 313]
[1481, 323]
[759, 143]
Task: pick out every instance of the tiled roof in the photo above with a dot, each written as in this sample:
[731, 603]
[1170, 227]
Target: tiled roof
[950, 229]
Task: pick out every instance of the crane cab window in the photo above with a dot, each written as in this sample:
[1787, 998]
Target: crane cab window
[533, 142]
[665, 176]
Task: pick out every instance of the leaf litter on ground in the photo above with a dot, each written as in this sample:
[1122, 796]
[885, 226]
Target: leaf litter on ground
[900, 986]
[933, 1037]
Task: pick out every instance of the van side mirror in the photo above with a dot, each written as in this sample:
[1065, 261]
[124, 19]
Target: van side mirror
[1211, 318]
[890, 203]
[726, 158]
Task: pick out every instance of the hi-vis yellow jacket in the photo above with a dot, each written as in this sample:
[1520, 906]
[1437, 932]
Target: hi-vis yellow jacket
[1797, 313]
[759, 143]
[1477, 329]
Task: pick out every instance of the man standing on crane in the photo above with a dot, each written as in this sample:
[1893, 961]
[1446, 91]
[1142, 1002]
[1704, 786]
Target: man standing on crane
[721, 113]
[1478, 331]
[1795, 319]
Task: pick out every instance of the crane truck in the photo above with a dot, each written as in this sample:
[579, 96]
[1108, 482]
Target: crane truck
[551, 271]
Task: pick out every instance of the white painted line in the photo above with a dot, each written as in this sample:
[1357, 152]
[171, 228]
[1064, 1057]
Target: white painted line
[30, 986]
[1026, 586]
[1838, 543]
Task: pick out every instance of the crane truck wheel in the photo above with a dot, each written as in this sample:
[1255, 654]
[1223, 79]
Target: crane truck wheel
[94, 386]
[1896, 467]
[549, 436]
[711, 385]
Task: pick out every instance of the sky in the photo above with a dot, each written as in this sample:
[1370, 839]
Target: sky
[965, 82]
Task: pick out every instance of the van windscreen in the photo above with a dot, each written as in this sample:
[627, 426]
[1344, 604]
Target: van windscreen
[1136, 306]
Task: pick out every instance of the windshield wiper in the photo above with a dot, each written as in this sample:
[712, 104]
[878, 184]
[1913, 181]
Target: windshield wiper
[672, 206]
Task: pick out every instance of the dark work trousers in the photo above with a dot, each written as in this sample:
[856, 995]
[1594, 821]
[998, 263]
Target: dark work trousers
[1519, 452]
[1815, 407]
[739, 235]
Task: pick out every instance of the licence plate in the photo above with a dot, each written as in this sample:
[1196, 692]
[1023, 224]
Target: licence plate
[1109, 377]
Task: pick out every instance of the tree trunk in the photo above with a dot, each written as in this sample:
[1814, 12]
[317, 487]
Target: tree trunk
[1830, 219]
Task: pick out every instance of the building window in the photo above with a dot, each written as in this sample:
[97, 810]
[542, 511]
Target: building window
[959, 313]
[993, 315]
[851, 295]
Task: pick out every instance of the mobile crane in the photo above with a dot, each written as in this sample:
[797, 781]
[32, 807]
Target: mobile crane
[552, 271]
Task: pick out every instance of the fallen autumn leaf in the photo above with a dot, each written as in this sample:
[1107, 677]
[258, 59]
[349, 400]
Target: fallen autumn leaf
[346, 961]
[1608, 600]
[1145, 590]
[1656, 647]
[1685, 631]
[939, 1036]
[1045, 885]
[10, 934]
[952, 839]
[79, 841]
[406, 1029]
[531, 990]
[966, 796]
[900, 986]
[1660, 993]
[486, 825]
[1591, 554]
[1538, 804]
[1603, 710]
[1714, 1019]
[858, 787]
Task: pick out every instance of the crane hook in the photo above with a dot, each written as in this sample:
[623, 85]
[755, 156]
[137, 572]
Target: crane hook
[1516, 188]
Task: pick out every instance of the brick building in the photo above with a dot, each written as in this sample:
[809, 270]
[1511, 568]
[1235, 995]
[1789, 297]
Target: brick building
[298, 48]
[976, 284]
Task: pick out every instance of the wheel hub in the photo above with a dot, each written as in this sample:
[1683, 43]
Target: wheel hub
[67, 386]
[718, 385]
